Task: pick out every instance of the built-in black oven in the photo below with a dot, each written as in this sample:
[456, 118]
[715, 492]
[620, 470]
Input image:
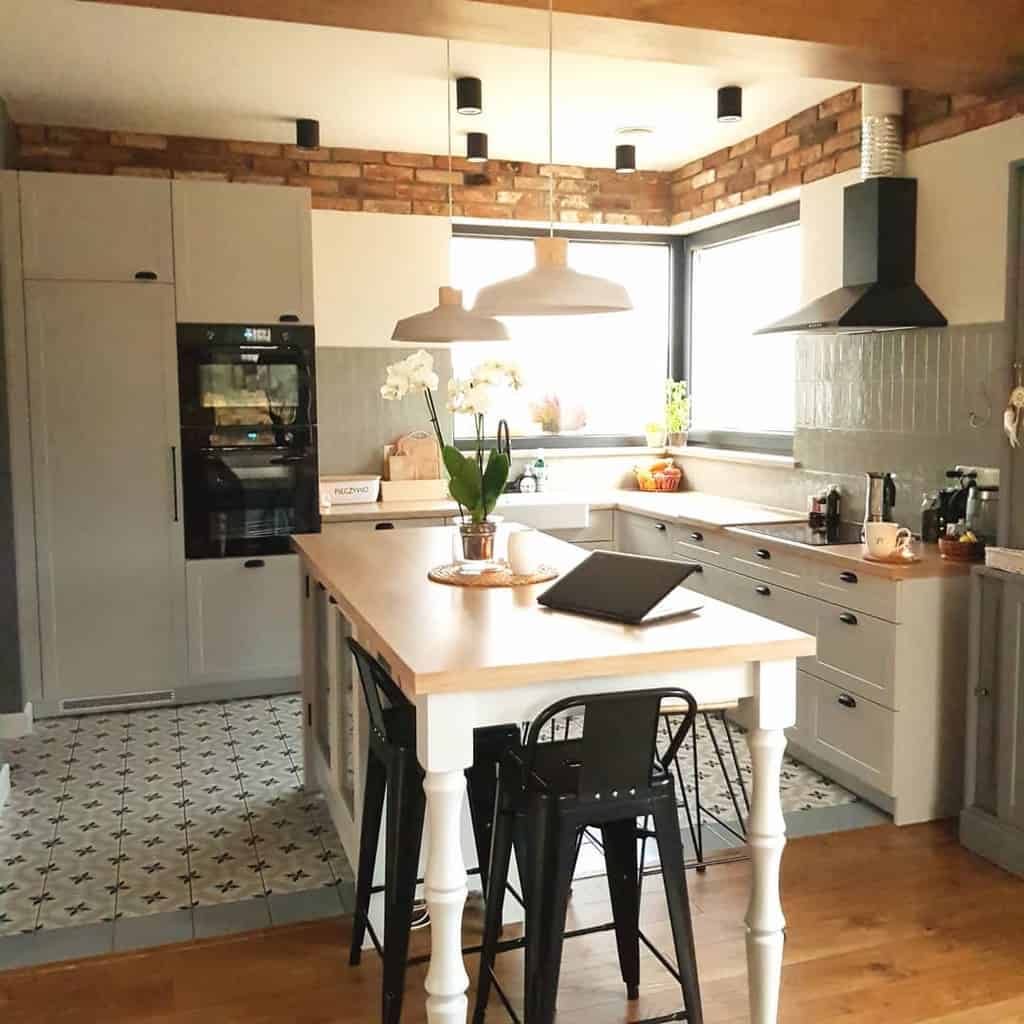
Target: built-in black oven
[248, 438]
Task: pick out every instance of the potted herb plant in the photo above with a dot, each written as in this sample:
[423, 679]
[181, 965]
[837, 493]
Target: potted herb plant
[475, 479]
[677, 412]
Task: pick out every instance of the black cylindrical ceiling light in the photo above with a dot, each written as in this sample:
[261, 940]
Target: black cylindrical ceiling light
[307, 133]
[625, 159]
[730, 103]
[476, 147]
[469, 95]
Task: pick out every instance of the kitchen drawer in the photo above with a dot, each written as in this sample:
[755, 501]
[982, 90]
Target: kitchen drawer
[857, 652]
[871, 594]
[846, 730]
[380, 524]
[772, 563]
[640, 535]
[698, 544]
[601, 528]
[771, 601]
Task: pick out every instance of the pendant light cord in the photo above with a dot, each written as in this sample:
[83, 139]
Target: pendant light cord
[448, 87]
[551, 119]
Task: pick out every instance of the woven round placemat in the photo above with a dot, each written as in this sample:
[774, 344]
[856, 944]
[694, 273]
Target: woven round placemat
[454, 577]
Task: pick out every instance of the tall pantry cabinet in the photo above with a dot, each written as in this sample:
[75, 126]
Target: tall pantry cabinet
[108, 265]
[100, 340]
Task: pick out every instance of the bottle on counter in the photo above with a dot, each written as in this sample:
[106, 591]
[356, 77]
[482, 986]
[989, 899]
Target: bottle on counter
[931, 517]
[527, 480]
[540, 471]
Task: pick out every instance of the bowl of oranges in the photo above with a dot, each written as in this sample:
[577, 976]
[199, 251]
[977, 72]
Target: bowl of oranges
[663, 475]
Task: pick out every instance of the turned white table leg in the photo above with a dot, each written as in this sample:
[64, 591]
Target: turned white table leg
[774, 710]
[444, 742]
[445, 891]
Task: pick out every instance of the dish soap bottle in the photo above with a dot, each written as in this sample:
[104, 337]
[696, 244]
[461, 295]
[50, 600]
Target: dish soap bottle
[540, 471]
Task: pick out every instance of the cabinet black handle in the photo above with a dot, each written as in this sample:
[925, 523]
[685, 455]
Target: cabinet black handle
[174, 481]
[848, 577]
[145, 275]
[846, 700]
[763, 591]
[332, 600]
[697, 536]
[660, 526]
[763, 554]
[288, 318]
[384, 526]
[320, 586]
[254, 563]
[848, 617]
[698, 568]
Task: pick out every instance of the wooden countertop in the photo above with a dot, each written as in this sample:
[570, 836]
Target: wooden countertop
[684, 506]
[438, 638]
[851, 556]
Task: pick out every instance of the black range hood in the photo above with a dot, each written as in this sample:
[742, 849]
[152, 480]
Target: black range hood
[879, 292]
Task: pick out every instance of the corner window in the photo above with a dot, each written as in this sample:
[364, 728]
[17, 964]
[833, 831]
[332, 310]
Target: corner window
[740, 277]
[587, 380]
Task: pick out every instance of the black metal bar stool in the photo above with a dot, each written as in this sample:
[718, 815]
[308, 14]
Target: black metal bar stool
[607, 778]
[392, 770]
[735, 784]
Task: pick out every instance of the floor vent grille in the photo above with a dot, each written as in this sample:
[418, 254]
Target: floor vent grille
[117, 702]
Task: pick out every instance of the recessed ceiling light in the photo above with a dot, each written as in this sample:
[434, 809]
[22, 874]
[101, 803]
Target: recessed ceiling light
[634, 130]
[625, 159]
[469, 96]
[730, 104]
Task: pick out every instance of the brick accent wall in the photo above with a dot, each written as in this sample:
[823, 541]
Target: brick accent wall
[931, 117]
[361, 179]
[813, 144]
[817, 142]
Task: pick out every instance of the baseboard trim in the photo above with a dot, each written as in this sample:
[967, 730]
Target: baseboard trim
[17, 724]
[995, 840]
[198, 693]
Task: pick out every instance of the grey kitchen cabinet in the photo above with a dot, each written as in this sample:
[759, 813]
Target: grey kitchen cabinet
[86, 227]
[243, 619]
[641, 535]
[992, 819]
[242, 253]
[879, 707]
[104, 409]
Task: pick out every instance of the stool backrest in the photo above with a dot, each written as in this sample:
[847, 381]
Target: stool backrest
[618, 747]
[386, 705]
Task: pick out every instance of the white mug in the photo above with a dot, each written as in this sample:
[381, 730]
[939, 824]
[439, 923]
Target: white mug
[886, 540]
[523, 558]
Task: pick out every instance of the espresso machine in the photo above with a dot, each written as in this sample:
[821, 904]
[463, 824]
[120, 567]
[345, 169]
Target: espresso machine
[881, 498]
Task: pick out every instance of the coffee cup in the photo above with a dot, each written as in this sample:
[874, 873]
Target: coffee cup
[523, 558]
[886, 540]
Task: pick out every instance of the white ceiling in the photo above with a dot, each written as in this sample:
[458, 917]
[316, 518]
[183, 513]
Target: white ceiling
[134, 69]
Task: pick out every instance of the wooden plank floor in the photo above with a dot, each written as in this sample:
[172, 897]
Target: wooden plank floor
[890, 925]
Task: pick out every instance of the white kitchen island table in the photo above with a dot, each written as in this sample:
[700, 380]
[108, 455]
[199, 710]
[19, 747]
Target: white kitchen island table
[470, 657]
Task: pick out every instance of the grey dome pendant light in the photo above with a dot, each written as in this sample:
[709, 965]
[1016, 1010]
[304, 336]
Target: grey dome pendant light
[552, 288]
[449, 320]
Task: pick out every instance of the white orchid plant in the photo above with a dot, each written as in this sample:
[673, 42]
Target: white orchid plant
[474, 482]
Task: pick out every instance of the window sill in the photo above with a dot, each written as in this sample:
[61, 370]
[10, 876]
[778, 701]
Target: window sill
[584, 452]
[729, 455]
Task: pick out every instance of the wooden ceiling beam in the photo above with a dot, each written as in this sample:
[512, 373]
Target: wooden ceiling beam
[941, 45]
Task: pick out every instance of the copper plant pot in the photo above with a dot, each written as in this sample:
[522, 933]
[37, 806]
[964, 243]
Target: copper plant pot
[478, 540]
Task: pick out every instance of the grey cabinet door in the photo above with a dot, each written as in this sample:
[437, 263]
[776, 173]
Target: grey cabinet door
[983, 689]
[1010, 757]
[638, 535]
[103, 386]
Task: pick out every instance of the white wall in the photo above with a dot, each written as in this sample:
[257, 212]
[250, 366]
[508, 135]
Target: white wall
[962, 218]
[369, 269]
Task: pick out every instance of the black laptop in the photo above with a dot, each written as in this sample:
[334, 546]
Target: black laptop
[633, 589]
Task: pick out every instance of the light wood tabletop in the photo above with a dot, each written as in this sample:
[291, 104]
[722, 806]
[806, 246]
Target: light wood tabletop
[439, 638]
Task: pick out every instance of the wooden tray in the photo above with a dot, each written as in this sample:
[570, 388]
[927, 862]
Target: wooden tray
[454, 577]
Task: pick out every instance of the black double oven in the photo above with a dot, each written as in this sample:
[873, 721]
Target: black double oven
[248, 438]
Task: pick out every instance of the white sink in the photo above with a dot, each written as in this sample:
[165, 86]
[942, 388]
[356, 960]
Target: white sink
[545, 511]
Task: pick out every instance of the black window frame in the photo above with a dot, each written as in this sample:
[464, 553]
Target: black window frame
[780, 216]
[674, 244]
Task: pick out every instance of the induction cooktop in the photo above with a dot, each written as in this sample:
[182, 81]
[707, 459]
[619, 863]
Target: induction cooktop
[803, 533]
